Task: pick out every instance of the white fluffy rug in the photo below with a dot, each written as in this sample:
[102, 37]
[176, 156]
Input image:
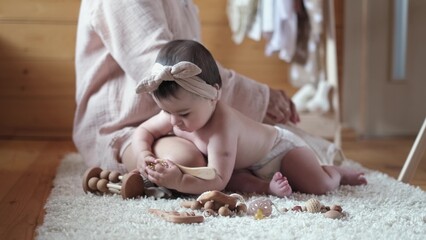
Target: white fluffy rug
[383, 209]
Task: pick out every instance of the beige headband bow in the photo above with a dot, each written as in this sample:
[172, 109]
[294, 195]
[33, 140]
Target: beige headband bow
[183, 73]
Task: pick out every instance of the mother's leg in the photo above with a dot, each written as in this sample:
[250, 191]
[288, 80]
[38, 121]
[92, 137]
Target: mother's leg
[176, 149]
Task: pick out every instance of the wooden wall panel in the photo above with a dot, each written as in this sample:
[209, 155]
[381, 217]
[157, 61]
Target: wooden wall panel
[37, 41]
[37, 79]
[32, 79]
[247, 58]
[41, 117]
[37, 76]
[39, 10]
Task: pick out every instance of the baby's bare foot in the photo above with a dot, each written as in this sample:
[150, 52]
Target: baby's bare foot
[279, 186]
[352, 177]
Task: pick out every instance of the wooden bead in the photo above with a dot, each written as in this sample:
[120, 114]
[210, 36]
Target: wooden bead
[297, 208]
[102, 185]
[92, 183]
[336, 208]
[114, 176]
[209, 205]
[217, 205]
[196, 205]
[241, 208]
[104, 174]
[333, 214]
[209, 212]
[224, 211]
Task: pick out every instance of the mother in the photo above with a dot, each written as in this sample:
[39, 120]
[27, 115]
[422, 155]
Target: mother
[117, 42]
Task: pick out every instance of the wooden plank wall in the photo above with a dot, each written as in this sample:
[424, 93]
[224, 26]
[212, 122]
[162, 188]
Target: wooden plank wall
[37, 79]
[37, 41]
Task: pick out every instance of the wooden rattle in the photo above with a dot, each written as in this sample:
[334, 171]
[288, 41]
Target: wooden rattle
[96, 180]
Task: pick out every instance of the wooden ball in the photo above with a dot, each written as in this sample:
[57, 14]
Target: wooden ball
[333, 214]
[113, 176]
[102, 185]
[217, 205]
[209, 212]
[297, 208]
[224, 211]
[209, 205]
[336, 208]
[242, 208]
[196, 205]
[92, 183]
[88, 174]
[104, 174]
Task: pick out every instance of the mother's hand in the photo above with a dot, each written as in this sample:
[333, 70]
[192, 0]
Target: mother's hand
[281, 108]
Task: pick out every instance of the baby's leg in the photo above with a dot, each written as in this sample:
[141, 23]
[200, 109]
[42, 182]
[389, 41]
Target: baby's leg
[179, 150]
[305, 173]
[245, 181]
[176, 149]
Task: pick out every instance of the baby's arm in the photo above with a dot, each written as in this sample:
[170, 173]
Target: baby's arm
[145, 135]
[221, 157]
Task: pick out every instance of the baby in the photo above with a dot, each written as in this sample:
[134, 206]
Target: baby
[186, 84]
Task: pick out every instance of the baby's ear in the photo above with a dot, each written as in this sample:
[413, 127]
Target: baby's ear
[219, 92]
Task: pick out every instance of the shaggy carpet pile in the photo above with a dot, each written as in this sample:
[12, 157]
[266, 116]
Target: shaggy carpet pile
[383, 209]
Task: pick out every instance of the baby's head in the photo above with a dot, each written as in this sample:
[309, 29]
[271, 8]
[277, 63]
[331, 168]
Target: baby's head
[187, 51]
[185, 83]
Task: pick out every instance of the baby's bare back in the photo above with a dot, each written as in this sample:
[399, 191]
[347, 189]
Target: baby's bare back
[255, 141]
[251, 140]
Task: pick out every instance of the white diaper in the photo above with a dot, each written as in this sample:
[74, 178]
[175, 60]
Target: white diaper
[271, 163]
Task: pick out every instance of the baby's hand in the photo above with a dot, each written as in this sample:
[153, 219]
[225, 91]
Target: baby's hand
[164, 173]
[143, 162]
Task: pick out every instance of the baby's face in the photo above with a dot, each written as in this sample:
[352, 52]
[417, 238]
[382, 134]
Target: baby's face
[188, 112]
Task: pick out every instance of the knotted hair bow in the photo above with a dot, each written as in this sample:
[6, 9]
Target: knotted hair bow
[183, 73]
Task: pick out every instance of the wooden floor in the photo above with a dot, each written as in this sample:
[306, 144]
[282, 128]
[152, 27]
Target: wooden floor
[27, 169]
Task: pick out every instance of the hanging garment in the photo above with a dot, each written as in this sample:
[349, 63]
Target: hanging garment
[303, 32]
[255, 31]
[284, 35]
[241, 14]
[308, 72]
[311, 75]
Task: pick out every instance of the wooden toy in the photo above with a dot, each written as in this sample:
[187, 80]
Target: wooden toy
[206, 173]
[177, 217]
[96, 180]
[214, 203]
[314, 206]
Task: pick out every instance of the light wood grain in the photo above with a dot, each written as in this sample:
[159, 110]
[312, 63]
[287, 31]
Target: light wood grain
[27, 169]
[39, 10]
[37, 43]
